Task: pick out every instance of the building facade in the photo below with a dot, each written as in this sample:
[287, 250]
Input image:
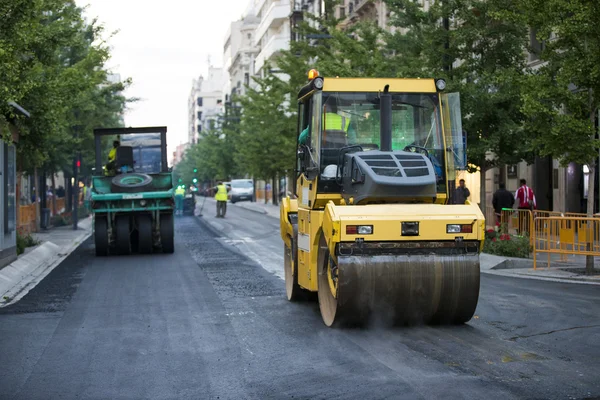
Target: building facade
[239, 54]
[273, 34]
[205, 103]
[179, 153]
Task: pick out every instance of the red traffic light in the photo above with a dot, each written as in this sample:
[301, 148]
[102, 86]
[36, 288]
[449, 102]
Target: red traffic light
[78, 163]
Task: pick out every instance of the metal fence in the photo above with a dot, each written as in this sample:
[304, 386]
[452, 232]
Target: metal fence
[565, 236]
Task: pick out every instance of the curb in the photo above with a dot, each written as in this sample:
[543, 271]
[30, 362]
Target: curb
[263, 212]
[32, 271]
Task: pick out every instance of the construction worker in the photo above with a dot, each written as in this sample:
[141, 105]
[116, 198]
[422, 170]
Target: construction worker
[221, 198]
[179, 195]
[333, 122]
[112, 156]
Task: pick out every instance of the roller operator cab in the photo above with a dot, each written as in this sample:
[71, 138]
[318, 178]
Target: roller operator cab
[132, 192]
[371, 226]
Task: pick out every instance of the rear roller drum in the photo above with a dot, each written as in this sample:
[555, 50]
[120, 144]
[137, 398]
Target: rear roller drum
[292, 289]
[101, 236]
[122, 234]
[144, 223]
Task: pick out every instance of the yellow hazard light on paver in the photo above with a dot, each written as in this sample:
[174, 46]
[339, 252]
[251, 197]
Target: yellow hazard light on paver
[312, 74]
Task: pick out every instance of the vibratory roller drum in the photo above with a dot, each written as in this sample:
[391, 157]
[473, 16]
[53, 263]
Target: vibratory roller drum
[397, 289]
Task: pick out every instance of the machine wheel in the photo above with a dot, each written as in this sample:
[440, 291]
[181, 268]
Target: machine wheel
[293, 291]
[122, 229]
[131, 183]
[101, 236]
[167, 233]
[144, 223]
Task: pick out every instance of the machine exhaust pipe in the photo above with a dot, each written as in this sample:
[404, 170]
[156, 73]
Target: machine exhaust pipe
[385, 126]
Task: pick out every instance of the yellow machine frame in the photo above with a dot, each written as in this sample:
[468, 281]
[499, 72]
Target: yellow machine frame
[321, 218]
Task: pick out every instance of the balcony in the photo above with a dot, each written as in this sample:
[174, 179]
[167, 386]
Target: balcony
[273, 46]
[277, 13]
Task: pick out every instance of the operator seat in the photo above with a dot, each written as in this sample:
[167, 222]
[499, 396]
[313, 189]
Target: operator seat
[124, 159]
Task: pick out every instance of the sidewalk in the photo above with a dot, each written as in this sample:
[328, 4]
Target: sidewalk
[18, 278]
[260, 207]
[523, 268]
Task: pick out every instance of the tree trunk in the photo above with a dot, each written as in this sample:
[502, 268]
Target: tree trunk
[482, 202]
[37, 204]
[275, 191]
[53, 195]
[589, 260]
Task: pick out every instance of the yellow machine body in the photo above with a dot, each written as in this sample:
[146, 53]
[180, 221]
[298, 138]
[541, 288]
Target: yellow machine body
[415, 258]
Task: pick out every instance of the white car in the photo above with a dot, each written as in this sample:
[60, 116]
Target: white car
[241, 189]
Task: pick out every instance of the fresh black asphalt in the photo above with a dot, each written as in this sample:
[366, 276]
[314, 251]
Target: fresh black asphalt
[209, 323]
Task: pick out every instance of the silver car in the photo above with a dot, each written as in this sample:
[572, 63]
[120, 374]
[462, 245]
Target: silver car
[241, 189]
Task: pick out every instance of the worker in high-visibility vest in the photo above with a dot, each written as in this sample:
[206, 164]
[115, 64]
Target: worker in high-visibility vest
[179, 195]
[333, 122]
[221, 198]
[111, 167]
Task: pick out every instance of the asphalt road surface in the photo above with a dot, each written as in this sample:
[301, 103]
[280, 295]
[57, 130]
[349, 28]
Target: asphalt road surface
[208, 322]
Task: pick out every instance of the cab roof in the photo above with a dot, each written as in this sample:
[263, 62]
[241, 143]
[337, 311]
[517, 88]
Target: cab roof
[397, 85]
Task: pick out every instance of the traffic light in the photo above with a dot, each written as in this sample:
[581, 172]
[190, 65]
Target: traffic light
[179, 180]
[195, 180]
[195, 170]
[78, 163]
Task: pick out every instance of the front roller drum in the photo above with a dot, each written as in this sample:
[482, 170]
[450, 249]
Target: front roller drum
[399, 289]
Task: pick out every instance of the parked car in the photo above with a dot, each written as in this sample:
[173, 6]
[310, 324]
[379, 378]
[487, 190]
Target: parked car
[241, 189]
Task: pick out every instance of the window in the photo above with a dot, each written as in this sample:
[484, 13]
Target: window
[536, 47]
[146, 151]
[219, 101]
[199, 101]
[249, 36]
[199, 128]
[200, 115]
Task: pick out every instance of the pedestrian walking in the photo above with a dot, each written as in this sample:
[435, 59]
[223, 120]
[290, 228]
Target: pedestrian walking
[461, 193]
[502, 199]
[221, 198]
[525, 199]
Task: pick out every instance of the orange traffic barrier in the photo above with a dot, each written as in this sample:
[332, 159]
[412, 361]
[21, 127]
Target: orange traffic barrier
[566, 236]
[27, 218]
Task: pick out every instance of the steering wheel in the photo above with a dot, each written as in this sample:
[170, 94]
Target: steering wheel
[416, 149]
[368, 145]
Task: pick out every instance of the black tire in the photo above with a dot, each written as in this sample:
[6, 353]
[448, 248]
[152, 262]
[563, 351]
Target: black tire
[130, 183]
[101, 236]
[144, 223]
[167, 233]
[293, 290]
[122, 236]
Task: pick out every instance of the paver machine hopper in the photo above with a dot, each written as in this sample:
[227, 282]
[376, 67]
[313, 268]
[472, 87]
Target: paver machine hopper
[132, 191]
[371, 226]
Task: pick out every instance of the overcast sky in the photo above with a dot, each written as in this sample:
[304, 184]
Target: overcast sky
[162, 46]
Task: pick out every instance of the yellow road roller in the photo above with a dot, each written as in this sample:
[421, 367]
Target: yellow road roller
[373, 223]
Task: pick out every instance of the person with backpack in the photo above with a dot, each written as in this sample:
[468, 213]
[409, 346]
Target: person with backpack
[525, 199]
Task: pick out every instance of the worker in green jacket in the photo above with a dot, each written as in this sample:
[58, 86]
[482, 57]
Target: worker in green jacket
[179, 195]
[333, 122]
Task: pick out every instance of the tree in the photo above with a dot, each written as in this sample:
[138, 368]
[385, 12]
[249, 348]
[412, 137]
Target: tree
[563, 95]
[266, 143]
[481, 55]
